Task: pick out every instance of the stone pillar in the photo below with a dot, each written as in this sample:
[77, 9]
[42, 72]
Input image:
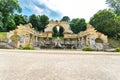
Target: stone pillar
[36, 39]
[64, 41]
[87, 40]
[92, 41]
[33, 39]
[83, 41]
[80, 42]
[70, 40]
[27, 39]
[30, 38]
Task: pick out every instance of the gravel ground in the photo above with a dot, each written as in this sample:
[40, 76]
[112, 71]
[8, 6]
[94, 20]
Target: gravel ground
[30, 66]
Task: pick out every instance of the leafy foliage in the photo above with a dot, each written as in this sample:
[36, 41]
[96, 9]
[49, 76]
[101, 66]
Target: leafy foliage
[117, 49]
[39, 22]
[20, 19]
[78, 25]
[117, 27]
[105, 21]
[58, 33]
[7, 8]
[114, 5]
[65, 18]
[33, 19]
[44, 20]
[28, 47]
[88, 49]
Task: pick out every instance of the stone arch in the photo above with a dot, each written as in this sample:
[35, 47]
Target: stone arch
[98, 40]
[102, 37]
[63, 24]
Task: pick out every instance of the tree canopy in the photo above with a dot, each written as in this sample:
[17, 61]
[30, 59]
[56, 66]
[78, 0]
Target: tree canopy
[106, 22]
[58, 31]
[65, 18]
[77, 25]
[39, 22]
[44, 20]
[7, 8]
[114, 5]
[20, 19]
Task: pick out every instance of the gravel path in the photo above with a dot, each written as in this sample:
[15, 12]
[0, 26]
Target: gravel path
[30, 66]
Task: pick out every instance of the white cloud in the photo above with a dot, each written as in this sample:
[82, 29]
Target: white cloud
[37, 9]
[52, 4]
[76, 8]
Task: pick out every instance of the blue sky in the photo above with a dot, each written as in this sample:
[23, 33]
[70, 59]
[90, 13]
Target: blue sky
[56, 9]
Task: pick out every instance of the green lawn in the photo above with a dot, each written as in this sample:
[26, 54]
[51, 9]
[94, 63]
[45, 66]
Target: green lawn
[114, 43]
[3, 36]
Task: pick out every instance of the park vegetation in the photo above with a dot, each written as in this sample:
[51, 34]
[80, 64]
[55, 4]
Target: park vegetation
[117, 49]
[106, 21]
[27, 47]
[88, 49]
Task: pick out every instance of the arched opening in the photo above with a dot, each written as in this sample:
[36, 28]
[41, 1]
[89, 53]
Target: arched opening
[58, 31]
[15, 37]
[98, 40]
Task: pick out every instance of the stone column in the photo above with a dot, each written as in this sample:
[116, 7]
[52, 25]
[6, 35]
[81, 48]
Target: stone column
[30, 38]
[92, 41]
[36, 39]
[84, 41]
[27, 39]
[80, 42]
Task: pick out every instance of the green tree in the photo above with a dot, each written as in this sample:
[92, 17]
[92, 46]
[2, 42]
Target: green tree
[19, 19]
[1, 23]
[39, 22]
[77, 25]
[7, 8]
[10, 24]
[44, 20]
[105, 21]
[55, 32]
[114, 5]
[33, 19]
[61, 30]
[65, 18]
[58, 31]
[117, 27]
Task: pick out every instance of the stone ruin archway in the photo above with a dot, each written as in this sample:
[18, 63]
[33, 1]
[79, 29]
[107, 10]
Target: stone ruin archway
[88, 37]
[49, 28]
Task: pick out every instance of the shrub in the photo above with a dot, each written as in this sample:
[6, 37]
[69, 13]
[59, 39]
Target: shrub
[88, 49]
[117, 49]
[28, 47]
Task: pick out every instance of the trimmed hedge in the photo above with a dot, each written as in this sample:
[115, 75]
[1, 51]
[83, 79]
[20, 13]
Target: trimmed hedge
[88, 49]
[28, 47]
[117, 49]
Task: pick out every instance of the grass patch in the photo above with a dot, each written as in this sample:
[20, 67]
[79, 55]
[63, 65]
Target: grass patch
[114, 43]
[3, 33]
[3, 36]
